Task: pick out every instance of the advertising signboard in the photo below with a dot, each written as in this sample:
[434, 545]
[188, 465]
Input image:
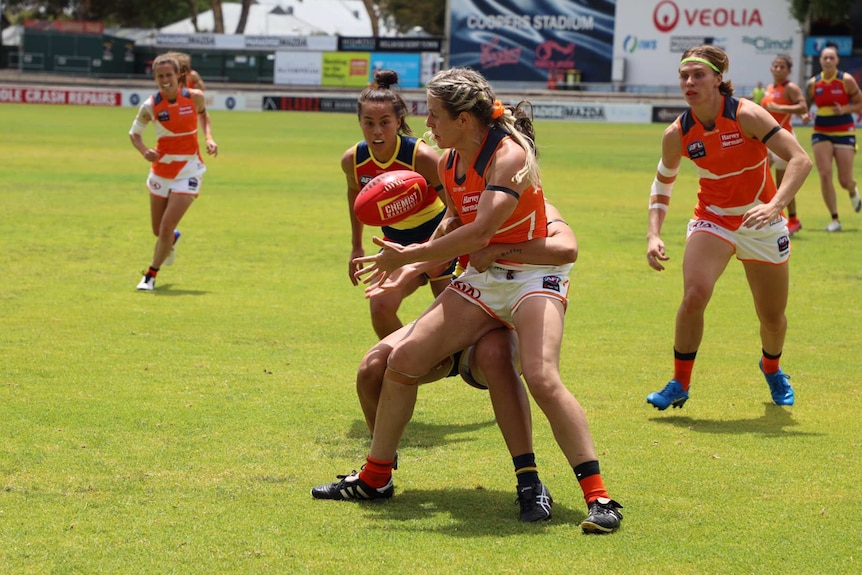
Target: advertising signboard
[516, 41]
[651, 35]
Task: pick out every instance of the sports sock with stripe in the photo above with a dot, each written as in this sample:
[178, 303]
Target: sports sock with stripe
[590, 479]
[526, 471]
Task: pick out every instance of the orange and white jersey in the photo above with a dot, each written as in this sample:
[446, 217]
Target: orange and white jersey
[176, 126]
[528, 221]
[733, 169]
[777, 95]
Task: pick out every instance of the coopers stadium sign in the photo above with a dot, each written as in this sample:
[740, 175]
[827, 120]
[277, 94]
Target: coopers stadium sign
[535, 22]
[520, 41]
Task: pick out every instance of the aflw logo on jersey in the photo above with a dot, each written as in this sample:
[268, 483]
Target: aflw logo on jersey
[696, 150]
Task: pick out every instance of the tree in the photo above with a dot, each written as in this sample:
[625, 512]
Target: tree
[829, 11]
[243, 16]
[218, 17]
[408, 14]
[193, 14]
[373, 17]
[114, 13]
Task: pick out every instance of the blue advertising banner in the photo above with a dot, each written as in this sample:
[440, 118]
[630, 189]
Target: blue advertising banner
[533, 40]
[407, 65]
[815, 44]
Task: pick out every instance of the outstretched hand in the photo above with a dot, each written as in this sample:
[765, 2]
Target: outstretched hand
[382, 264]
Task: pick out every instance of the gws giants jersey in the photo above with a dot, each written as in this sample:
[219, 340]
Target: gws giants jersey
[733, 168]
[177, 132]
[528, 221]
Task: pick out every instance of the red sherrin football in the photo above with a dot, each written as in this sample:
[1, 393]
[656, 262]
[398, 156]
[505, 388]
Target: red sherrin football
[390, 198]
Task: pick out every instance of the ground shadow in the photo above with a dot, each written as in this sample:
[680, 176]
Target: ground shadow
[774, 422]
[165, 290]
[419, 434]
[464, 512]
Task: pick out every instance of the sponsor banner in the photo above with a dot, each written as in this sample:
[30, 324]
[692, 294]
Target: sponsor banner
[651, 35]
[346, 69]
[308, 104]
[815, 44]
[29, 95]
[67, 26]
[298, 68]
[666, 114]
[243, 42]
[215, 99]
[408, 67]
[594, 112]
[372, 44]
[532, 40]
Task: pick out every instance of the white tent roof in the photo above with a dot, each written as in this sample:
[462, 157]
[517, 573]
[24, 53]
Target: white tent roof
[286, 18]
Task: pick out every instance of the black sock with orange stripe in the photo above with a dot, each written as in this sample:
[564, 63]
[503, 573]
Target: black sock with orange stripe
[153, 272]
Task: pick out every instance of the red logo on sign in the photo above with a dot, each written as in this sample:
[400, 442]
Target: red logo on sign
[665, 16]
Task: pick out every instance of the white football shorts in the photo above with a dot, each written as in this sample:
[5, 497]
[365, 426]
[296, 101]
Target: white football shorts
[500, 290]
[770, 244]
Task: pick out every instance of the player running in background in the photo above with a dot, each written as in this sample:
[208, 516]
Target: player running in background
[738, 212]
[837, 97]
[783, 99]
[176, 166]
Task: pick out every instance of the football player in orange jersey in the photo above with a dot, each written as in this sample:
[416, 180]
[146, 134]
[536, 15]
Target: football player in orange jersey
[738, 212]
[491, 177]
[783, 99]
[176, 166]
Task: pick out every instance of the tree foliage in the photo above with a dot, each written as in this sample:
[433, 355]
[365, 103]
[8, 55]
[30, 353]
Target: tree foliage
[408, 14]
[114, 13]
[829, 11]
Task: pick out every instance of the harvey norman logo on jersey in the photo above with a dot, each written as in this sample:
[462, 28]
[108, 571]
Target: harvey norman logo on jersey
[752, 32]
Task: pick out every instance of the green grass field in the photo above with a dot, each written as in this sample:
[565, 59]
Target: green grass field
[180, 431]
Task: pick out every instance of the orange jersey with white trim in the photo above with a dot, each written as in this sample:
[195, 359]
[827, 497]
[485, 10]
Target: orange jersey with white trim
[176, 126]
[733, 169]
[528, 221]
[777, 95]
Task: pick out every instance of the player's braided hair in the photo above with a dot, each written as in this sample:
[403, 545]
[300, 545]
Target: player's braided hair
[465, 90]
[381, 91]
